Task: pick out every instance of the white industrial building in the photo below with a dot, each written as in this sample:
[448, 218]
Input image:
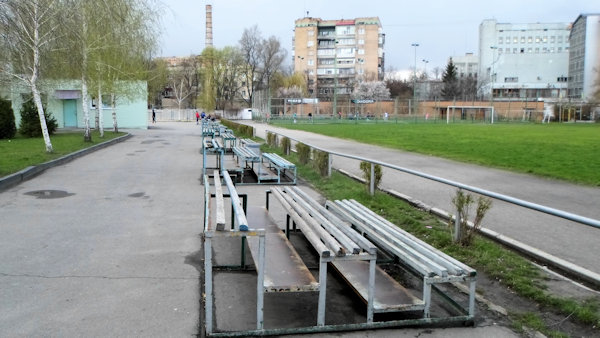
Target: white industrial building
[584, 60]
[524, 61]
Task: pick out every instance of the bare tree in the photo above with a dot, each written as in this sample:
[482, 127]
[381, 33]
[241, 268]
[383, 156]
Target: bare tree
[30, 32]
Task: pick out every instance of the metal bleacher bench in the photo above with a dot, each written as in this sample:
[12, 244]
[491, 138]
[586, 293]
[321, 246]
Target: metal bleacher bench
[245, 155]
[351, 254]
[280, 164]
[420, 257]
[279, 267]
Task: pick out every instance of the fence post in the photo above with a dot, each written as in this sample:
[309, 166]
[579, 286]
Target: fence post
[457, 220]
[372, 183]
[329, 164]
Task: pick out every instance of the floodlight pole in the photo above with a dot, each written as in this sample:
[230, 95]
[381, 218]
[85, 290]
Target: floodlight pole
[492, 82]
[415, 80]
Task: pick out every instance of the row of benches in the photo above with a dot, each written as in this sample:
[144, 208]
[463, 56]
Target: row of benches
[348, 236]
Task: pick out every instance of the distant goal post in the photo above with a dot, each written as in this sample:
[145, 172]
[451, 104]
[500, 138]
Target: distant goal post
[483, 113]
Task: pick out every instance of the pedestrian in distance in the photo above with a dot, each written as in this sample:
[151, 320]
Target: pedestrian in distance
[153, 116]
[197, 117]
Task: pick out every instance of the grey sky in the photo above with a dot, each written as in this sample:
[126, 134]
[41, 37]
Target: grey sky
[442, 28]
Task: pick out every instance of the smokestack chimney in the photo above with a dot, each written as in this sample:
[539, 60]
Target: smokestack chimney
[209, 35]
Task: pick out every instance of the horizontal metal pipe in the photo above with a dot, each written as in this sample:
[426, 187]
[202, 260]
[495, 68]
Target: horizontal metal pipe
[538, 207]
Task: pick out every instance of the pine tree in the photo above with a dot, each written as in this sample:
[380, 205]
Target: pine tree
[451, 88]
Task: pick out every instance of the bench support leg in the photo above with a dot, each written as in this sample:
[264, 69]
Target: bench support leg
[260, 294]
[371, 295]
[426, 297]
[322, 292]
[208, 284]
[472, 284]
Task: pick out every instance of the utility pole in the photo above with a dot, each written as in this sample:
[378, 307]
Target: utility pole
[415, 80]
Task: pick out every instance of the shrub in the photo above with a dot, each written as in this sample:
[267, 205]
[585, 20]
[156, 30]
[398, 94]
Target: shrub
[321, 161]
[8, 128]
[303, 152]
[30, 121]
[366, 169]
[286, 145]
[463, 201]
[271, 139]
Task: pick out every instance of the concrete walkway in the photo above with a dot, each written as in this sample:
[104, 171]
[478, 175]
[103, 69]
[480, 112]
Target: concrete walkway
[107, 245]
[106, 253]
[570, 241]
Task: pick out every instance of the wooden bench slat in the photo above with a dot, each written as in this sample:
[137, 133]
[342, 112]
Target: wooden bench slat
[389, 296]
[220, 204]
[427, 250]
[284, 269]
[396, 245]
[307, 230]
[307, 203]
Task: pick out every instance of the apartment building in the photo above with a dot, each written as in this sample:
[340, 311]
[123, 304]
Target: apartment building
[524, 61]
[584, 57]
[335, 54]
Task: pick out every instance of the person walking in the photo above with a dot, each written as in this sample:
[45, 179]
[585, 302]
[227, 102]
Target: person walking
[153, 116]
[197, 117]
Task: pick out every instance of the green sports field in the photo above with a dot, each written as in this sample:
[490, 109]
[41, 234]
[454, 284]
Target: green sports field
[564, 151]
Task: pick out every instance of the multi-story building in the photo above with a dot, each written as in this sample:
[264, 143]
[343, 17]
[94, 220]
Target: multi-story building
[584, 57]
[335, 54]
[466, 65]
[523, 61]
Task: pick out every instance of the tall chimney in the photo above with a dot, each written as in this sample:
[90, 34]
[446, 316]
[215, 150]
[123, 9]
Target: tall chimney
[209, 35]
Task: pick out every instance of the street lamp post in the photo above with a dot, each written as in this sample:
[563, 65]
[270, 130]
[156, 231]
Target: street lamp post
[415, 80]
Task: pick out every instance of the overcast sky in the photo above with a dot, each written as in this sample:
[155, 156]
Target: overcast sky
[441, 28]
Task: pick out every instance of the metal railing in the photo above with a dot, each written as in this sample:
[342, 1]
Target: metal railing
[509, 199]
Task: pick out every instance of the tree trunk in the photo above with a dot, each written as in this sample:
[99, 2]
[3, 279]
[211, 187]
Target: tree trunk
[36, 93]
[114, 112]
[87, 134]
[40, 108]
[100, 116]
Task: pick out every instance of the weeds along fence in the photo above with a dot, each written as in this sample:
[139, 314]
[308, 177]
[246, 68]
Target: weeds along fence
[584, 274]
[240, 130]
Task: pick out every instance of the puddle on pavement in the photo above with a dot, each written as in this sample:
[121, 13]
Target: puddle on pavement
[152, 141]
[49, 194]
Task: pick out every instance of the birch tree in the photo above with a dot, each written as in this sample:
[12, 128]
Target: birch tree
[30, 34]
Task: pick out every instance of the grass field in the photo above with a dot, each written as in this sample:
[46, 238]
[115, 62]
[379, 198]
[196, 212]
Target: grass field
[20, 153]
[564, 151]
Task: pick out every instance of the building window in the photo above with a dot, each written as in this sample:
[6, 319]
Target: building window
[522, 39]
[361, 41]
[559, 39]
[361, 51]
[500, 40]
[511, 79]
[522, 50]
[537, 39]
[561, 79]
[310, 43]
[545, 50]
[361, 31]
[516, 39]
[530, 39]
[311, 62]
[507, 50]
[537, 50]
[515, 50]
[559, 50]
[529, 50]
[508, 40]
[311, 33]
[552, 38]
[545, 39]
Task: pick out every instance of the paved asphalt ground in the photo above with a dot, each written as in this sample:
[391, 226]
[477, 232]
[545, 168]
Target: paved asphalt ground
[106, 245]
[570, 241]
